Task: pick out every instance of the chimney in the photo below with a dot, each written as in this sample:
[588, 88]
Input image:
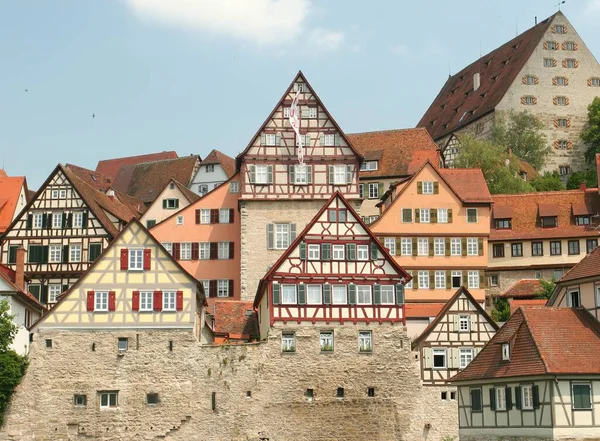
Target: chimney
[583, 186]
[536, 20]
[476, 81]
[20, 270]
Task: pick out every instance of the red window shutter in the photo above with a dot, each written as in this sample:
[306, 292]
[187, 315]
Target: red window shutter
[214, 250]
[147, 257]
[214, 216]
[179, 301]
[135, 301]
[195, 250]
[231, 215]
[213, 288]
[90, 300]
[124, 258]
[231, 288]
[112, 300]
[158, 300]
[231, 250]
[176, 250]
[197, 216]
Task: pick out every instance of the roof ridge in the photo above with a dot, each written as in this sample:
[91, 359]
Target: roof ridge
[587, 257]
[540, 193]
[535, 343]
[388, 130]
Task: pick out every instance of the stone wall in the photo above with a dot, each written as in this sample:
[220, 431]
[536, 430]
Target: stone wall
[260, 393]
[508, 278]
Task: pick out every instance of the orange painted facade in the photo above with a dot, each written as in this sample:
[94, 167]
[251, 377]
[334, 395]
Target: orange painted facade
[171, 232]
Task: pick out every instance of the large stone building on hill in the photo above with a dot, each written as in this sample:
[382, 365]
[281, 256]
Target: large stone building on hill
[547, 70]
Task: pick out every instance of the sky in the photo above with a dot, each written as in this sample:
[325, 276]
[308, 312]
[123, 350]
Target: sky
[82, 81]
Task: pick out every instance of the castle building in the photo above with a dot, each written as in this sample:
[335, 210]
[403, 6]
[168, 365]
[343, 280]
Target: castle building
[547, 70]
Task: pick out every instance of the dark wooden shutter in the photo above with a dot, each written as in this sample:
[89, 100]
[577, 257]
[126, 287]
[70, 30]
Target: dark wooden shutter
[352, 294]
[447, 246]
[179, 300]
[231, 249]
[536, 396]
[518, 404]
[176, 248]
[84, 219]
[44, 295]
[327, 294]
[508, 395]
[231, 287]
[414, 246]
[374, 251]
[197, 216]
[351, 251]
[65, 253]
[64, 221]
[436, 188]
[419, 187]
[325, 251]
[214, 250]
[463, 246]
[492, 399]
[147, 259]
[302, 294]
[377, 294]
[70, 220]
[90, 301]
[213, 288]
[135, 301]
[45, 253]
[433, 215]
[292, 232]
[29, 222]
[164, 201]
[214, 216]
[65, 288]
[195, 250]
[270, 236]
[231, 211]
[449, 215]
[480, 245]
[276, 294]
[303, 250]
[157, 300]
[124, 258]
[400, 294]
[176, 203]
[112, 300]
[431, 249]
[292, 174]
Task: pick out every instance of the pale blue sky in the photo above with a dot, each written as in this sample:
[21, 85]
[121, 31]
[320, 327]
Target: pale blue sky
[193, 75]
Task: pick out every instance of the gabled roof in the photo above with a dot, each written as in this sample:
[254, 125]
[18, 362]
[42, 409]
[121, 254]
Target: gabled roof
[383, 250]
[525, 209]
[187, 193]
[458, 104]
[110, 167]
[460, 292]
[422, 310]
[398, 152]
[541, 342]
[10, 190]
[517, 303]
[236, 319]
[526, 288]
[93, 178]
[145, 181]
[9, 277]
[217, 157]
[299, 75]
[589, 266]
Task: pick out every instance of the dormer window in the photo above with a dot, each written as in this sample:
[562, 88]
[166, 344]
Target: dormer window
[503, 224]
[427, 187]
[505, 351]
[369, 166]
[582, 220]
[210, 168]
[549, 222]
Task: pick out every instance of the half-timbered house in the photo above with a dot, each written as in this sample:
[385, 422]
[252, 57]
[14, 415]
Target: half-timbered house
[63, 229]
[279, 196]
[537, 378]
[174, 197]
[453, 339]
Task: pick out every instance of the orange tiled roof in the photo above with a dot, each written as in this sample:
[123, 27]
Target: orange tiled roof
[537, 348]
[93, 178]
[468, 183]
[217, 157]
[10, 189]
[525, 209]
[236, 319]
[523, 289]
[9, 276]
[423, 310]
[399, 152]
[187, 193]
[110, 167]
[458, 104]
[589, 266]
[517, 303]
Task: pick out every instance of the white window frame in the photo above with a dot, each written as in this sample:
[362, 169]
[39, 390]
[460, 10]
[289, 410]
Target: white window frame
[338, 291]
[75, 252]
[171, 203]
[326, 341]
[472, 246]
[364, 291]
[57, 220]
[427, 187]
[548, 62]
[222, 288]
[234, 187]
[464, 323]
[291, 289]
[440, 280]
[205, 215]
[54, 291]
[406, 246]
[179, 220]
[223, 250]
[339, 175]
[390, 244]
[224, 215]
[570, 63]
[312, 112]
[362, 252]
[55, 253]
[300, 174]
[409, 285]
[185, 251]
[425, 215]
[282, 236]
[505, 351]
[455, 246]
[313, 251]
[147, 301]
[136, 259]
[442, 215]
[329, 139]
[454, 274]
[373, 190]
[203, 250]
[561, 81]
[270, 139]
[439, 351]
[101, 301]
[77, 219]
[500, 393]
[37, 221]
[465, 357]
[286, 112]
[317, 294]
[387, 295]
[473, 279]
[423, 246]
[168, 246]
[527, 397]
[338, 252]
[261, 174]
[439, 246]
[365, 341]
[476, 216]
[288, 342]
[169, 301]
[105, 398]
[423, 279]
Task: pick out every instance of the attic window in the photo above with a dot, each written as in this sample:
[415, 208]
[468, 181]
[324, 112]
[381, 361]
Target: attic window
[456, 109]
[432, 122]
[487, 63]
[505, 351]
[93, 178]
[495, 78]
[446, 125]
[468, 92]
[454, 90]
[483, 95]
[462, 77]
[443, 106]
[516, 46]
[505, 62]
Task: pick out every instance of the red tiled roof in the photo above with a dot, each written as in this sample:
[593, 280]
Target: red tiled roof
[10, 190]
[546, 210]
[458, 104]
[517, 303]
[526, 207]
[110, 167]
[237, 319]
[468, 183]
[217, 157]
[399, 152]
[423, 310]
[589, 266]
[187, 193]
[9, 276]
[537, 348]
[523, 289]
[145, 181]
[93, 178]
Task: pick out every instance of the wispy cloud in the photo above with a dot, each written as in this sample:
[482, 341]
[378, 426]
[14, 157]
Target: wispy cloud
[399, 49]
[262, 22]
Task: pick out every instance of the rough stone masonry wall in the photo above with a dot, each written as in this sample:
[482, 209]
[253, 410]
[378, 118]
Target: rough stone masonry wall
[277, 410]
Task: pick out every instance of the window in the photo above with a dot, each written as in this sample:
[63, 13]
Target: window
[340, 392]
[329, 139]
[440, 280]
[361, 194]
[590, 245]
[557, 274]
[503, 224]
[530, 79]
[455, 246]
[537, 248]
[552, 45]
[373, 219]
[301, 174]
[313, 294]
[471, 215]
[75, 252]
[368, 166]
[288, 342]
[423, 246]
[77, 219]
[339, 294]
[424, 279]
[205, 216]
[570, 63]
[327, 341]
[582, 396]
[171, 203]
[555, 248]
[564, 170]
[339, 176]
[185, 251]
[528, 100]
[122, 344]
[314, 252]
[206, 286]
[538, 274]
[101, 301]
[442, 215]
[560, 81]
[473, 279]
[234, 187]
[38, 219]
[286, 112]
[472, 246]
[288, 294]
[363, 295]
[338, 252]
[373, 190]
[362, 252]
[573, 299]
[57, 220]
[179, 220]
[549, 62]
[387, 294]
[494, 280]
[203, 251]
[150, 223]
[456, 279]
[549, 221]
[439, 246]
[476, 405]
[223, 250]
[365, 341]
[390, 244]
[371, 392]
[427, 187]
[505, 351]
[560, 29]
[80, 400]
[573, 247]
[527, 397]
[439, 358]
[500, 398]
[168, 298]
[516, 249]
[151, 399]
[498, 250]
[224, 215]
[464, 323]
[203, 189]
[261, 174]
[466, 356]
[594, 82]
[108, 400]
[409, 285]
[270, 139]
[406, 246]
[424, 215]
[136, 259]
[222, 288]
[55, 253]
[147, 301]
[562, 122]
[560, 100]
[282, 236]
[582, 220]
[53, 293]
[407, 215]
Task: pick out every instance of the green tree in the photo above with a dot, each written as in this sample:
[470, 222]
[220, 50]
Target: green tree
[591, 135]
[8, 329]
[501, 310]
[547, 289]
[548, 182]
[499, 169]
[521, 132]
[590, 177]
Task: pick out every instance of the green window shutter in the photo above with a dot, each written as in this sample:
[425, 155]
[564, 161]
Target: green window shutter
[400, 294]
[302, 294]
[84, 220]
[352, 294]
[351, 251]
[303, 250]
[65, 216]
[447, 247]
[45, 252]
[270, 236]
[176, 203]
[381, 189]
[325, 251]
[309, 174]
[449, 215]
[492, 399]
[508, 395]
[164, 204]
[417, 215]
[436, 188]
[12, 254]
[331, 174]
[374, 251]
[252, 173]
[518, 404]
[431, 250]
[433, 215]
[270, 174]
[377, 294]
[480, 244]
[463, 246]
[65, 287]
[419, 187]
[292, 173]
[414, 246]
[29, 223]
[361, 190]
[292, 232]
[65, 253]
[398, 247]
[348, 174]
[327, 294]
[276, 294]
